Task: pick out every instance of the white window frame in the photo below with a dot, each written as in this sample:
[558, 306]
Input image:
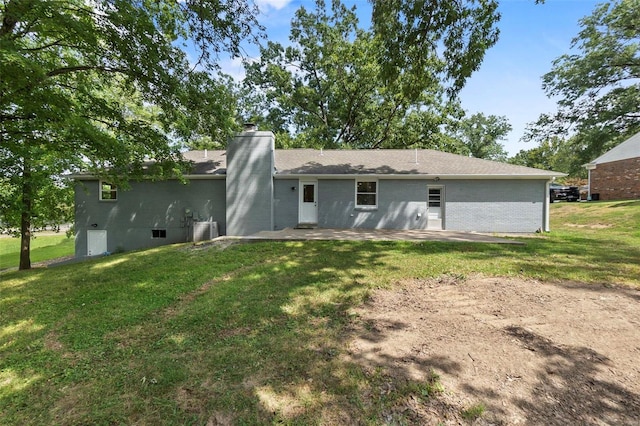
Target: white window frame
[114, 190]
[367, 206]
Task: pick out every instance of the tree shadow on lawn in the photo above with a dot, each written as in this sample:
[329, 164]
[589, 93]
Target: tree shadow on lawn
[273, 339]
[573, 385]
[578, 256]
[284, 328]
[252, 334]
[246, 332]
[571, 258]
[569, 391]
[54, 322]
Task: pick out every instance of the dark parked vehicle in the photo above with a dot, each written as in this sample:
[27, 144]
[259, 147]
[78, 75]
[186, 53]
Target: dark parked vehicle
[560, 192]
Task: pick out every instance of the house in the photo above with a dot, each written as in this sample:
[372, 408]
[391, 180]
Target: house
[252, 187]
[615, 175]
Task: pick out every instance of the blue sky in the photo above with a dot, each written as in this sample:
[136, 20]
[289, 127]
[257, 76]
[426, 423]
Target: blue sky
[509, 82]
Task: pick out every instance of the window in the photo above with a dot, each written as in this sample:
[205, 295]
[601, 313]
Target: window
[108, 191]
[435, 197]
[308, 193]
[366, 193]
[158, 233]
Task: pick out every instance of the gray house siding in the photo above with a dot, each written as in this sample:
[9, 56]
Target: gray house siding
[285, 203]
[402, 204]
[469, 205]
[146, 206]
[494, 205]
[249, 183]
[251, 187]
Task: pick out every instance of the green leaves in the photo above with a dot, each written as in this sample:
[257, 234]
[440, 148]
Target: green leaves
[482, 135]
[437, 40]
[104, 87]
[597, 84]
[332, 87]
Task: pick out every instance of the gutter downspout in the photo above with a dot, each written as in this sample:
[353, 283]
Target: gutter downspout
[589, 167]
[547, 210]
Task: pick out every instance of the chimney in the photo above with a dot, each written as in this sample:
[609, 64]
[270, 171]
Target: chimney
[249, 183]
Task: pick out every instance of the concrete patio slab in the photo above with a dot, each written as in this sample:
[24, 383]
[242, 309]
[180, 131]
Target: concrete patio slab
[325, 234]
[290, 234]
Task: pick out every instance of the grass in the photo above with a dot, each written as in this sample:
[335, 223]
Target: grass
[256, 333]
[474, 412]
[43, 247]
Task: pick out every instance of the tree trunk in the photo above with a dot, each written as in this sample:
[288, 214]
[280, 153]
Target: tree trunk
[25, 219]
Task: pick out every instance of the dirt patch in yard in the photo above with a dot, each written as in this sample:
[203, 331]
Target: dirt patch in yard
[529, 352]
[589, 226]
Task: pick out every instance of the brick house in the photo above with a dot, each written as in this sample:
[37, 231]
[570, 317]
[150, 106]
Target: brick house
[615, 175]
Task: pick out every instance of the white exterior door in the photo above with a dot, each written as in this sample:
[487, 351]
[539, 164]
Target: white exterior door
[308, 212]
[435, 206]
[96, 242]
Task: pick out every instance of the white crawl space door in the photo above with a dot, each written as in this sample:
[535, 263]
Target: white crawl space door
[96, 242]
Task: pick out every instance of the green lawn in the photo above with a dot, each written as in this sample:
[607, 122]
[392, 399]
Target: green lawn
[43, 247]
[252, 334]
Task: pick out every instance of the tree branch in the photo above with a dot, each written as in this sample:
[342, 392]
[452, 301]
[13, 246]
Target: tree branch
[46, 46]
[68, 70]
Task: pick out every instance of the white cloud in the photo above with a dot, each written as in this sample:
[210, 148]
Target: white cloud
[233, 67]
[272, 4]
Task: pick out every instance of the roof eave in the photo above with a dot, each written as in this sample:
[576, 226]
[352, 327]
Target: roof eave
[189, 177]
[205, 176]
[548, 176]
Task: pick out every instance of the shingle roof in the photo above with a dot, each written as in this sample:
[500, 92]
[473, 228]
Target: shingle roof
[393, 161]
[371, 162]
[627, 149]
[207, 162]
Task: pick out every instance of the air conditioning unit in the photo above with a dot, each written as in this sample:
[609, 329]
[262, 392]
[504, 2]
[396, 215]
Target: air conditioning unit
[204, 231]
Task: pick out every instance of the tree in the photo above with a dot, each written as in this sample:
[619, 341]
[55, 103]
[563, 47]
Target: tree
[482, 135]
[104, 87]
[332, 86]
[553, 154]
[442, 40]
[326, 86]
[598, 86]
[541, 157]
